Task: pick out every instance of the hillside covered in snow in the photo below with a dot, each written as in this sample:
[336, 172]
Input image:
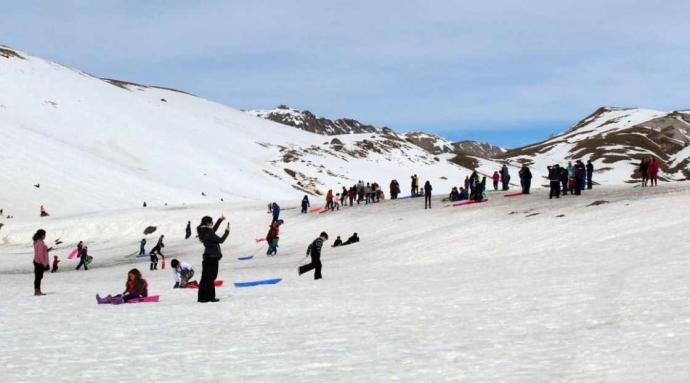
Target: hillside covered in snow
[90, 144]
[77, 143]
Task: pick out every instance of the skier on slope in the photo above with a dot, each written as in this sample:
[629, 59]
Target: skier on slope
[314, 250]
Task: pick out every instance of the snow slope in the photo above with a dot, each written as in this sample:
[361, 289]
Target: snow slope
[616, 139]
[503, 291]
[96, 145]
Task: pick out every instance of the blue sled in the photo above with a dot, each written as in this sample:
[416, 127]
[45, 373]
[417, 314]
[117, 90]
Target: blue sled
[246, 258]
[257, 283]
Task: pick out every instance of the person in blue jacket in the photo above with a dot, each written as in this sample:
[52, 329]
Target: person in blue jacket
[275, 209]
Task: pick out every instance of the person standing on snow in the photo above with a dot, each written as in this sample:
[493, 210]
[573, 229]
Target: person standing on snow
[590, 173]
[156, 250]
[564, 181]
[82, 254]
[41, 262]
[505, 178]
[272, 237]
[526, 177]
[314, 250]
[188, 230]
[496, 177]
[305, 204]
[427, 195]
[206, 232]
[554, 181]
[653, 171]
[142, 247]
[275, 209]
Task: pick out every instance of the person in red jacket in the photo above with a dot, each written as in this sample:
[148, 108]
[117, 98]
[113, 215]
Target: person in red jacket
[55, 264]
[496, 178]
[653, 171]
[41, 262]
[135, 287]
[272, 237]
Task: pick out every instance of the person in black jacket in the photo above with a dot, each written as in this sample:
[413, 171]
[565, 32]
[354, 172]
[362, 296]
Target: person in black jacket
[305, 204]
[590, 173]
[427, 195]
[526, 177]
[212, 255]
[353, 239]
[188, 230]
[554, 181]
[338, 242]
[314, 250]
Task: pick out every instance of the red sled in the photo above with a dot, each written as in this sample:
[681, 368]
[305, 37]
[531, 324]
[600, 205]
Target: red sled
[315, 209]
[470, 202]
[195, 285]
[512, 194]
[259, 240]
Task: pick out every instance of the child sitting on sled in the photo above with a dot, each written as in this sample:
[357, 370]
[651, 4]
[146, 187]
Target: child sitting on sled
[136, 287]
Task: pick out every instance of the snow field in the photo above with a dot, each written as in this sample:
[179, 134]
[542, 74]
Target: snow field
[471, 293]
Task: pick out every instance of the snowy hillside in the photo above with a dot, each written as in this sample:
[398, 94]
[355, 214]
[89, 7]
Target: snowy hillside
[514, 290]
[615, 139]
[94, 145]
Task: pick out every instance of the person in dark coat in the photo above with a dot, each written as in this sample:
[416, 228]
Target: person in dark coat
[505, 178]
[314, 250]
[83, 253]
[427, 195]
[155, 252]
[590, 173]
[188, 230]
[206, 232]
[526, 177]
[353, 239]
[564, 181]
[276, 211]
[305, 204]
[337, 242]
[554, 181]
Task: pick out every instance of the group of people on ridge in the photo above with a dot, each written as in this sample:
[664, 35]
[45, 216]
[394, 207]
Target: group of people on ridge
[572, 178]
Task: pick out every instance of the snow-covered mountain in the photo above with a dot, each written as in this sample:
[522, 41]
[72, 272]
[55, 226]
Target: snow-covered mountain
[616, 139]
[306, 120]
[92, 144]
[432, 143]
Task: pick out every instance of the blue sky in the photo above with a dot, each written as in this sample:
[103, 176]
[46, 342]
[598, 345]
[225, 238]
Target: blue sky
[509, 72]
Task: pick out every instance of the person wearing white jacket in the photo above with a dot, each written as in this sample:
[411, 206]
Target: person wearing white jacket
[183, 273]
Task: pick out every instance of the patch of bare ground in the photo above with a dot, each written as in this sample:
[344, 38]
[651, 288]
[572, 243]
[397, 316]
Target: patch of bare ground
[9, 53]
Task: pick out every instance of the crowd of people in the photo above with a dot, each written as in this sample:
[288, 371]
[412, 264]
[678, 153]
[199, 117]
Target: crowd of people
[571, 179]
[563, 180]
[649, 171]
